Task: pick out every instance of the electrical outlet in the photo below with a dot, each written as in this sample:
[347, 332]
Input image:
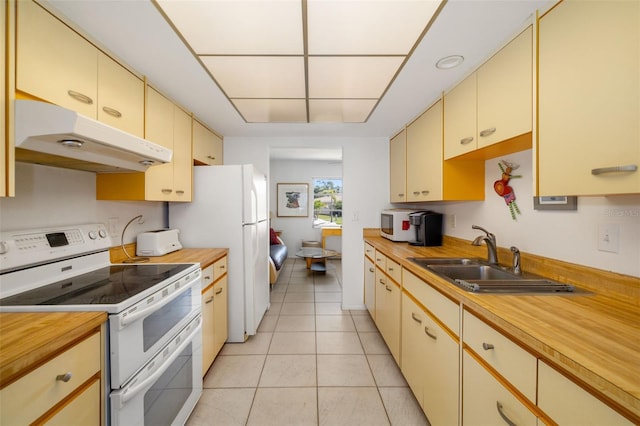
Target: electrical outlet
[609, 237]
[113, 226]
[452, 220]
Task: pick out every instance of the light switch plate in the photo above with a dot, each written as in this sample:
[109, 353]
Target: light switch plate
[609, 237]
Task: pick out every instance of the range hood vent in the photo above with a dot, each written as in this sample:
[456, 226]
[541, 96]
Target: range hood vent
[52, 135]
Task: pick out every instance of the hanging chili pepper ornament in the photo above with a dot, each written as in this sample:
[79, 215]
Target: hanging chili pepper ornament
[503, 189]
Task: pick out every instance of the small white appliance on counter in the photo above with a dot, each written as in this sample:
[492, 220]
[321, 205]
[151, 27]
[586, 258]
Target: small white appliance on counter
[229, 209]
[158, 243]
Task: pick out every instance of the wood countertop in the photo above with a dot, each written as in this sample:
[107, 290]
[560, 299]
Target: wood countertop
[594, 339]
[203, 256]
[28, 340]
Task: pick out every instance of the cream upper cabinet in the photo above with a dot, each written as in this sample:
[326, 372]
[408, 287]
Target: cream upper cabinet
[589, 98]
[424, 156]
[568, 404]
[505, 91]
[120, 97]
[460, 119]
[397, 168]
[487, 402]
[167, 125]
[53, 62]
[207, 146]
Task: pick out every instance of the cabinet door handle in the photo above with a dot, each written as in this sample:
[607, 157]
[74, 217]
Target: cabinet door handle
[415, 318]
[428, 333]
[466, 140]
[113, 112]
[219, 291]
[64, 377]
[603, 170]
[487, 346]
[487, 132]
[166, 191]
[180, 191]
[416, 192]
[371, 270]
[209, 300]
[80, 97]
[400, 195]
[390, 269]
[387, 287]
[211, 157]
[207, 278]
[506, 419]
[382, 281]
[223, 267]
[425, 192]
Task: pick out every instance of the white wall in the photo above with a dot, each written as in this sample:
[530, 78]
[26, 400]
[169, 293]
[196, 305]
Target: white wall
[365, 177]
[566, 235]
[50, 196]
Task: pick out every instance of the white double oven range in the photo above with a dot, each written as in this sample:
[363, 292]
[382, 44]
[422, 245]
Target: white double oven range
[154, 342]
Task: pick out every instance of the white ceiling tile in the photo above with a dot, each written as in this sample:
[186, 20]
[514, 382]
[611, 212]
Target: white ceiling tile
[351, 77]
[272, 110]
[249, 27]
[340, 110]
[367, 27]
[258, 76]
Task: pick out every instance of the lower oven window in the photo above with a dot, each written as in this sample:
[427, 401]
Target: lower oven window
[158, 324]
[164, 400]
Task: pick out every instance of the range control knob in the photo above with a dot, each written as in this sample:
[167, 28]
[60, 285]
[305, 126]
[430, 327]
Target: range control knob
[4, 247]
[102, 233]
[93, 235]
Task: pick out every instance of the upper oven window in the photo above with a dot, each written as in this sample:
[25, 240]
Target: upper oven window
[159, 323]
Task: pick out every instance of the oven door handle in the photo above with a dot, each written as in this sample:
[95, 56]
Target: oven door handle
[125, 320]
[131, 392]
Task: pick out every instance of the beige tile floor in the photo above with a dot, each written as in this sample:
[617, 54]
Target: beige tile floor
[311, 363]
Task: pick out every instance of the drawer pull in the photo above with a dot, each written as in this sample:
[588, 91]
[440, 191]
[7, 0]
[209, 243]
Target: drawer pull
[428, 333]
[387, 287]
[487, 346]
[506, 419]
[415, 318]
[487, 132]
[64, 377]
[80, 97]
[207, 278]
[371, 270]
[209, 300]
[223, 266]
[390, 269]
[111, 111]
[466, 140]
[614, 169]
[382, 281]
[219, 291]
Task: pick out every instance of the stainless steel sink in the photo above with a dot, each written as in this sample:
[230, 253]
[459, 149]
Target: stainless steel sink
[472, 272]
[479, 276]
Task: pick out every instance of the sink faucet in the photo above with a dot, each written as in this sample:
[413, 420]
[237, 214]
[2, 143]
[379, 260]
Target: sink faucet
[516, 260]
[490, 241]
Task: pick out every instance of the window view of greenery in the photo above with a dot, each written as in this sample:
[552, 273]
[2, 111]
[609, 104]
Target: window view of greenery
[327, 202]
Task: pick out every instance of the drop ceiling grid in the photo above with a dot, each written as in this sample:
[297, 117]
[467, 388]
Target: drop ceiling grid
[302, 60]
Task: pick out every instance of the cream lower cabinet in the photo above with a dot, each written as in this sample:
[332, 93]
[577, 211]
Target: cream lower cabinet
[387, 312]
[397, 168]
[370, 287]
[589, 98]
[430, 363]
[431, 350]
[46, 395]
[487, 402]
[214, 311]
[568, 404]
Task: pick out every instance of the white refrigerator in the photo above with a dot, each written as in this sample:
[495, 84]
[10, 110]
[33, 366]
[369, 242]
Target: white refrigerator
[229, 209]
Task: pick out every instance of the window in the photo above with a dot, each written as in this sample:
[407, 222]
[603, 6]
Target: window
[327, 202]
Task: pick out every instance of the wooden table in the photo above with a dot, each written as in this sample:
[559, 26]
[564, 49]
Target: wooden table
[330, 232]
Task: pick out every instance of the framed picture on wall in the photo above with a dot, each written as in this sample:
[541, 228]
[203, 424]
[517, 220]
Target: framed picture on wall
[293, 200]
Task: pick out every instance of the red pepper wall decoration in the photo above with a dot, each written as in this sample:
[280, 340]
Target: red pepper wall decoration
[503, 189]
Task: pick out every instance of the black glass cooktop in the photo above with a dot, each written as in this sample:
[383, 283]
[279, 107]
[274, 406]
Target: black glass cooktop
[105, 286]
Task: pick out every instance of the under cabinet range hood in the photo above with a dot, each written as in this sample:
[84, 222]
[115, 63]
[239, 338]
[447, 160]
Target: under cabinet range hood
[56, 136]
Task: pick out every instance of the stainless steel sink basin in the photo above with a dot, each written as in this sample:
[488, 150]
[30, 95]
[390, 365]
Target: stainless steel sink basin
[479, 276]
[473, 272]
